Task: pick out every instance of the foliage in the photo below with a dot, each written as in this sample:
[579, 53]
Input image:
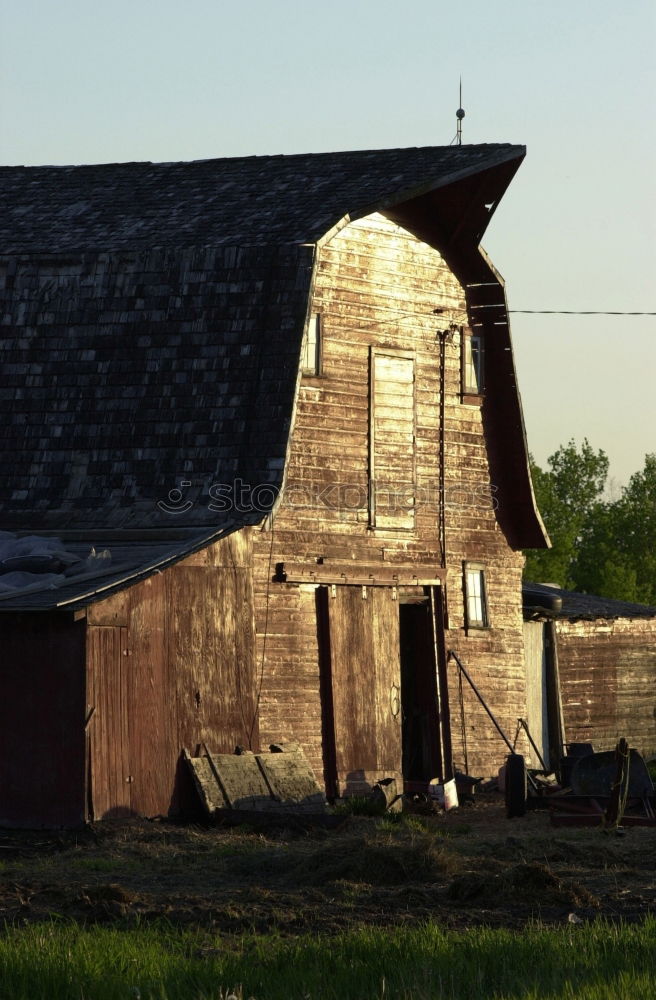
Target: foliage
[599, 547]
[589, 961]
[567, 495]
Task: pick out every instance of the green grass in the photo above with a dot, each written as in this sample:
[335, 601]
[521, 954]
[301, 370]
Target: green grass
[596, 961]
[360, 805]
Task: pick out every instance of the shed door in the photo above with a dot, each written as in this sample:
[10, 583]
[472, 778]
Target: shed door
[365, 686]
[107, 726]
[537, 714]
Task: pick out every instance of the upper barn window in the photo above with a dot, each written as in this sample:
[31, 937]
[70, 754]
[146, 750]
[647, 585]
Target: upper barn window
[391, 439]
[311, 355]
[473, 364]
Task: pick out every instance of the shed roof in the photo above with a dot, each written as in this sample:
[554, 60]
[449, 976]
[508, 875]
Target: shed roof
[106, 562]
[577, 606]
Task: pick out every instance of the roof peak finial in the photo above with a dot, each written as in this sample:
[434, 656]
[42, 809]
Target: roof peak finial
[460, 114]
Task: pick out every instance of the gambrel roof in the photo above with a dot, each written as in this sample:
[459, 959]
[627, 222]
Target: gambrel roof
[152, 317]
[239, 201]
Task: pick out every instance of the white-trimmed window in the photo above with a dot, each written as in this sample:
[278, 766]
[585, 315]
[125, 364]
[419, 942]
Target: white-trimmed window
[311, 355]
[473, 364]
[476, 613]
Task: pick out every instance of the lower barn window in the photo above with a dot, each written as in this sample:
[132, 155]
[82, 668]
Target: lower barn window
[475, 597]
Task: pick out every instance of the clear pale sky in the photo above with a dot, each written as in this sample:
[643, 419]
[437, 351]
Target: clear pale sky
[574, 80]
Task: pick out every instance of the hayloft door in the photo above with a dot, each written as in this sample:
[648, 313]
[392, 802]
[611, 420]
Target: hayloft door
[361, 685]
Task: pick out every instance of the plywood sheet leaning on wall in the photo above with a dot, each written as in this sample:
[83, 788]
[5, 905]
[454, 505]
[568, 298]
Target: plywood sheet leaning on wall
[274, 782]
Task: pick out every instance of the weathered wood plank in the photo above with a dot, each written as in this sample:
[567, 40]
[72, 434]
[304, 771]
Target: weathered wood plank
[108, 733]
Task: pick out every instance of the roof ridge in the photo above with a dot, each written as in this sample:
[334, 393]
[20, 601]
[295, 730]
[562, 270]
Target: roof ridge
[252, 157]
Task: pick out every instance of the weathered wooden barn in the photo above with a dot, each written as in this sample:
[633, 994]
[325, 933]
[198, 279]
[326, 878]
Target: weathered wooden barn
[263, 465]
[591, 667]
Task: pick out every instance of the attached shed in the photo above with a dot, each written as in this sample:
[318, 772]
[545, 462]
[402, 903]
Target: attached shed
[99, 698]
[605, 651]
[263, 449]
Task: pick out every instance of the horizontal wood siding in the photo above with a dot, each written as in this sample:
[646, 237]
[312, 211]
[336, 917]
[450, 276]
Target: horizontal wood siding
[288, 672]
[42, 743]
[608, 681]
[377, 288]
[493, 656]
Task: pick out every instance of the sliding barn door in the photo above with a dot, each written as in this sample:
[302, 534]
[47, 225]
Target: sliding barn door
[362, 679]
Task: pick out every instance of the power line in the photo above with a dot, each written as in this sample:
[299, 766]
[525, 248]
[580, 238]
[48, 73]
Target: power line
[579, 312]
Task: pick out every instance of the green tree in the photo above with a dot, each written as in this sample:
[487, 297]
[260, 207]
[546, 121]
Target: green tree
[617, 552]
[568, 497]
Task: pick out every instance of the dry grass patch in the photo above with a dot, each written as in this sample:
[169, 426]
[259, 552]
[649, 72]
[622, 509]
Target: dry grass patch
[378, 859]
[528, 883]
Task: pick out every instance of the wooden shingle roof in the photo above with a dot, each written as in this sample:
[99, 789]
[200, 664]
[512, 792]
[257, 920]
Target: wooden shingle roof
[126, 374]
[237, 201]
[152, 315]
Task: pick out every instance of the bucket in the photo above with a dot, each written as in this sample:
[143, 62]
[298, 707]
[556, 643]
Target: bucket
[444, 793]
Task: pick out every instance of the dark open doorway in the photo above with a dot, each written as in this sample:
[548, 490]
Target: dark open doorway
[419, 698]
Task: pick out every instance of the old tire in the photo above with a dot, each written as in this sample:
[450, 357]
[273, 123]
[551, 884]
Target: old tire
[516, 785]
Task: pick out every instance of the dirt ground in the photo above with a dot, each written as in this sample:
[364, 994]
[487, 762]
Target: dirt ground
[469, 867]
